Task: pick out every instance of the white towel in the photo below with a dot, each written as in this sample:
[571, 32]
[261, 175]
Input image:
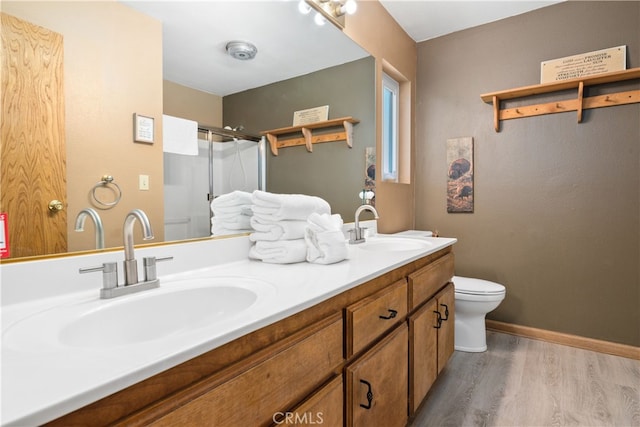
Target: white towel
[325, 240]
[232, 200]
[280, 251]
[276, 207]
[324, 222]
[237, 222]
[280, 230]
[232, 211]
[179, 136]
[220, 230]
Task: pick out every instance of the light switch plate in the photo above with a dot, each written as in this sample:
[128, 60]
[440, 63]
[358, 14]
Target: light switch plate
[143, 182]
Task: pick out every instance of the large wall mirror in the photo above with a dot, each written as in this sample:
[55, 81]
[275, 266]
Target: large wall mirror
[117, 59]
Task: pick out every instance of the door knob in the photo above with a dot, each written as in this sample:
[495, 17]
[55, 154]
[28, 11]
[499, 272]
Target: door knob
[55, 206]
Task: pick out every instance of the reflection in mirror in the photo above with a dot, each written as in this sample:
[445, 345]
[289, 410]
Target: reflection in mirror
[105, 79]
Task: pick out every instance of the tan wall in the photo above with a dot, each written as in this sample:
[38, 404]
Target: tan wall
[184, 102]
[379, 34]
[112, 69]
[557, 205]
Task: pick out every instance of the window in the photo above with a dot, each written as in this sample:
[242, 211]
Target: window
[390, 111]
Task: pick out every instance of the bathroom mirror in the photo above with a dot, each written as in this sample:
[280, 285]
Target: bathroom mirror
[96, 106]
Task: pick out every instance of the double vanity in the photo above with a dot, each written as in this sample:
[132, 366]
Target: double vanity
[225, 340]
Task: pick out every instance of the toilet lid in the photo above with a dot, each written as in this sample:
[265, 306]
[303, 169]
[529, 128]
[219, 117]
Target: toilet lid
[466, 285]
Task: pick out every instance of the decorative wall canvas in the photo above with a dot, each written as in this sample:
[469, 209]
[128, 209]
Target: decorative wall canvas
[460, 175]
[370, 173]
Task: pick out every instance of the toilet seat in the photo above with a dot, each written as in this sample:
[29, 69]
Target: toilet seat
[468, 286]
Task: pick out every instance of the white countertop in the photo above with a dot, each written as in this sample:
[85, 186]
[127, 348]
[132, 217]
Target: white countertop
[49, 381]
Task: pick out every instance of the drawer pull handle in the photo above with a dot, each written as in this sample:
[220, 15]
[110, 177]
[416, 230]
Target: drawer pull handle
[369, 395]
[446, 312]
[392, 314]
[439, 325]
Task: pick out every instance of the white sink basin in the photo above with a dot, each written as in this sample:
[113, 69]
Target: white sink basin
[177, 308]
[386, 244]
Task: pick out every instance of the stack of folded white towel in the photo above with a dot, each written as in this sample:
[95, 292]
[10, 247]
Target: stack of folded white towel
[231, 213]
[326, 243]
[280, 222]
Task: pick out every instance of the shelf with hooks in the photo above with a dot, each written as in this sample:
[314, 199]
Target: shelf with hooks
[307, 137]
[578, 104]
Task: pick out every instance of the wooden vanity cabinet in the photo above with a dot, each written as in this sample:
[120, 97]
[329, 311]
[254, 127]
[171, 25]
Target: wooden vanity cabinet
[364, 357]
[377, 383]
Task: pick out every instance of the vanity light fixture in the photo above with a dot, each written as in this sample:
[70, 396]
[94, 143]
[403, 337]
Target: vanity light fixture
[241, 50]
[332, 10]
[303, 7]
[319, 19]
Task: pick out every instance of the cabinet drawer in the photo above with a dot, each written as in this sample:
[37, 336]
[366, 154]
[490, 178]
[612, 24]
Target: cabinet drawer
[428, 280]
[325, 407]
[369, 318]
[270, 383]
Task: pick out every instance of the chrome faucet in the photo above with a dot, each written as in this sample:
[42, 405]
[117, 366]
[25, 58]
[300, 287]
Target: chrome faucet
[130, 262]
[357, 234]
[110, 287]
[82, 217]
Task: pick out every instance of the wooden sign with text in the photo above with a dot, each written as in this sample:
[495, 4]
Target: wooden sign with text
[585, 64]
[311, 115]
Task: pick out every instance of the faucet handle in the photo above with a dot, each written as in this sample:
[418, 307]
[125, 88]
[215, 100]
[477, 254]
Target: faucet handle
[109, 274]
[149, 264]
[356, 235]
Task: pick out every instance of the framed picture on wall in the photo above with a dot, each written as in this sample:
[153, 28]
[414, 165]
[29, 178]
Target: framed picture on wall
[460, 175]
[143, 128]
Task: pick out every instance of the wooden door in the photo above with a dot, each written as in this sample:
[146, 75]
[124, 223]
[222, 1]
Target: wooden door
[446, 341]
[33, 165]
[423, 352]
[377, 383]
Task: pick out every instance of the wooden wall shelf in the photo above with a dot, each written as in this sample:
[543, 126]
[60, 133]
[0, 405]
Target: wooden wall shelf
[307, 138]
[579, 104]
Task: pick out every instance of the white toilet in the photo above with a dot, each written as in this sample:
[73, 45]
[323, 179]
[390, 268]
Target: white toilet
[474, 299]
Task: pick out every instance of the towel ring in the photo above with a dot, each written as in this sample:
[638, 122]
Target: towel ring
[104, 182]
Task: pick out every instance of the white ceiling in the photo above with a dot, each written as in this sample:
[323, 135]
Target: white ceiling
[428, 19]
[289, 44]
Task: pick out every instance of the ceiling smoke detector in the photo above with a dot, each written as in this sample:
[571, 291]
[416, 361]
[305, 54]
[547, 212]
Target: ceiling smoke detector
[241, 50]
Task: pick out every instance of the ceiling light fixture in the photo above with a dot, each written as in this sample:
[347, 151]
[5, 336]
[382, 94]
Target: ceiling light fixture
[241, 50]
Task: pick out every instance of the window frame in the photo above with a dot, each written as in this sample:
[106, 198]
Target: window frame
[390, 129]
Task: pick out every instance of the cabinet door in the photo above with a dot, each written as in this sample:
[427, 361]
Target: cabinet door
[446, 307]
[423, 352]
[325, 407]
[377, 383]
[266, 385]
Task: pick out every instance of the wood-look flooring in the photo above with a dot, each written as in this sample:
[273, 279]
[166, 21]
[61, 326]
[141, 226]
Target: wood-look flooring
[523, 382]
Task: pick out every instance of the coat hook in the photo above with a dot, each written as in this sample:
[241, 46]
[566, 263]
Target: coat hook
[518, 111]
